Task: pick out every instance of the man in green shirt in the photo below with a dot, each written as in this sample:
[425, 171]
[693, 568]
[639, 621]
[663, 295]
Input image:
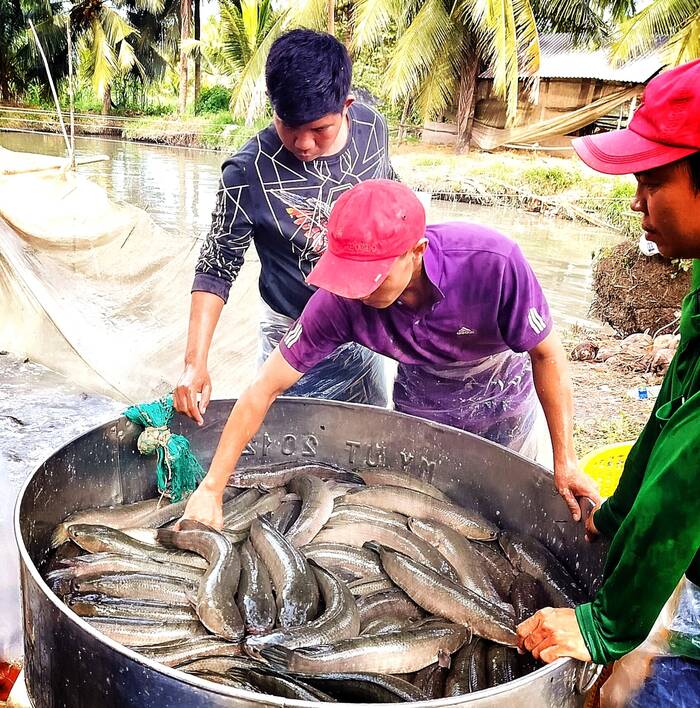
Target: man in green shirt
[653, 518]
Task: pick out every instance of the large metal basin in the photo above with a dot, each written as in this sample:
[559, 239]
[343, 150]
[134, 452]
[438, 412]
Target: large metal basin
[68, 664]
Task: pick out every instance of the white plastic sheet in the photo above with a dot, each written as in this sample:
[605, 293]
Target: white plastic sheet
[97, 291]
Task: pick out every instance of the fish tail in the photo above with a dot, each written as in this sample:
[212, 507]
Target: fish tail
[167, 537]
[278, 657]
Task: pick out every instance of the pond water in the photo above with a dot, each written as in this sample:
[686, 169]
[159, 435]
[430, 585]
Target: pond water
[177, 187]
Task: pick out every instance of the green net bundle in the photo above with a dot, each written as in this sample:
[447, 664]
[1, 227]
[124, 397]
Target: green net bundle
[178, 470]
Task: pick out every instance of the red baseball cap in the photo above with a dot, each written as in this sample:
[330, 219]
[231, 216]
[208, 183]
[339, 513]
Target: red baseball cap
[665, 127]
[370, 226]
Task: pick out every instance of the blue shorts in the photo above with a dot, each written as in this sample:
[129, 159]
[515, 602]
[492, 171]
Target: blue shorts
[674, 683]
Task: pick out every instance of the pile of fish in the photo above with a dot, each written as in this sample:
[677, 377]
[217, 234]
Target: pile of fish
[324, 585]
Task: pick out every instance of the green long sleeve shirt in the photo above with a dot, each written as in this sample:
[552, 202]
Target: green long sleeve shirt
[653, 518]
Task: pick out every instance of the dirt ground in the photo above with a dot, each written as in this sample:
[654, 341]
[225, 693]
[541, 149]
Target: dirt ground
[604, 413]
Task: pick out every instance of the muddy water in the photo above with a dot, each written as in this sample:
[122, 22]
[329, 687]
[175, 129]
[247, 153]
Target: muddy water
[177, 186]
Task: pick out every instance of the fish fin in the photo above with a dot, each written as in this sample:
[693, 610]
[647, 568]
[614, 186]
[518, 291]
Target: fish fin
[373, 546]
[59, 535]
[278, 657]
[350, 477]
[443, 659]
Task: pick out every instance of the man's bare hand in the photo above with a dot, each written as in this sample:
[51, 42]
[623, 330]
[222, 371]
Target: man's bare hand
[193, 392]
[591, 531]
[205, 506]
[552, 633]
[572, 482]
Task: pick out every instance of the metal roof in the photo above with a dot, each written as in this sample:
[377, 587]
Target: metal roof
[561, 59]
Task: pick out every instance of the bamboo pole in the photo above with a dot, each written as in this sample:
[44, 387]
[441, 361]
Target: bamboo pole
[53, 88]
[70, 94]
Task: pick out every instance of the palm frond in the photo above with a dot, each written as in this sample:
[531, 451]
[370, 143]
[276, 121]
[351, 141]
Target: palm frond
[115, 26]
[685, 44]
[127, 61]
[192, 47]
[153, 6]
[508, 40]
[418, 49]
[582, 19]
[103, 61]
[308, 13]
[52, 35]
[439, 87]
[616, 10]
[409, 9]
[248, 95]
[660, 20]
[371, 18]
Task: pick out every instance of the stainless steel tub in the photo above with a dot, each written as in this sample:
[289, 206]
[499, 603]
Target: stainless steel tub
[68, 664]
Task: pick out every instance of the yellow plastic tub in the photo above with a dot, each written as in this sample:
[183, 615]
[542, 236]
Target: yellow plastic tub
[605, 465]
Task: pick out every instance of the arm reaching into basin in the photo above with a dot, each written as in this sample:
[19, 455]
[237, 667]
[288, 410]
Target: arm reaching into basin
[218, 266]
[553, 386]
[205, 311]
[273, 379]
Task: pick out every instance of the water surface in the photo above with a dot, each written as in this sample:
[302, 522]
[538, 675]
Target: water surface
[177, 187]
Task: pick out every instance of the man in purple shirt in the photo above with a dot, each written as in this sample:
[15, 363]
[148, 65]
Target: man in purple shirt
[457, 305]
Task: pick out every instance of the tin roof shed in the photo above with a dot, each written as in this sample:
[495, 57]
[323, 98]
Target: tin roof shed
[561, 58]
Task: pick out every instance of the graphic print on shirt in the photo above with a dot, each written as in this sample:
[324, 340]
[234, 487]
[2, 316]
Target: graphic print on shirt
[269, 197]
[292, 336]
[310, 214]
[308, 191]
[211, 255]
[536, 321]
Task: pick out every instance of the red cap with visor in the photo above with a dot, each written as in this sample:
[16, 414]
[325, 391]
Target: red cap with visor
[370, 226]
[665, 127]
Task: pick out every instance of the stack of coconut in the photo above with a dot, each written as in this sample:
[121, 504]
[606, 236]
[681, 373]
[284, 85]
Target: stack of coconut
[638, 352]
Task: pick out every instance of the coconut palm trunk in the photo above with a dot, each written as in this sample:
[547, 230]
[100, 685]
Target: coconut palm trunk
[331, 16]
[107, 100]
[185, 33]
[198, 55]
[466, 99]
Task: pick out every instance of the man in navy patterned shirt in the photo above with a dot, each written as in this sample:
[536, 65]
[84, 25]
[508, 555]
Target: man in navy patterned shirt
[277, 192]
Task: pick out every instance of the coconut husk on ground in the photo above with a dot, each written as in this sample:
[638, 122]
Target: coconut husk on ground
[603, 372]
[637, 293]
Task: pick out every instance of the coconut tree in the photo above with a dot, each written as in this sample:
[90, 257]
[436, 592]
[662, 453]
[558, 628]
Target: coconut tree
[673, 25]
[442, 45]
[105, 40]
[20, 63]
[12, 25]
[250, 27]
[156, 42]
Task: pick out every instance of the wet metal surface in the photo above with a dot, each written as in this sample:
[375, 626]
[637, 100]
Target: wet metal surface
[102, 467]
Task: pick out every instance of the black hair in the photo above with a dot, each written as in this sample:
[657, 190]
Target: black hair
[308, 75]
[693, 164]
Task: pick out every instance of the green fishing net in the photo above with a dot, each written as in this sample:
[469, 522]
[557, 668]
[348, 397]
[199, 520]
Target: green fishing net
[177, 468]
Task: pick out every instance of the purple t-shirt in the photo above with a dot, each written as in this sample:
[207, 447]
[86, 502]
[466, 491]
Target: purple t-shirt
[487, 302]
